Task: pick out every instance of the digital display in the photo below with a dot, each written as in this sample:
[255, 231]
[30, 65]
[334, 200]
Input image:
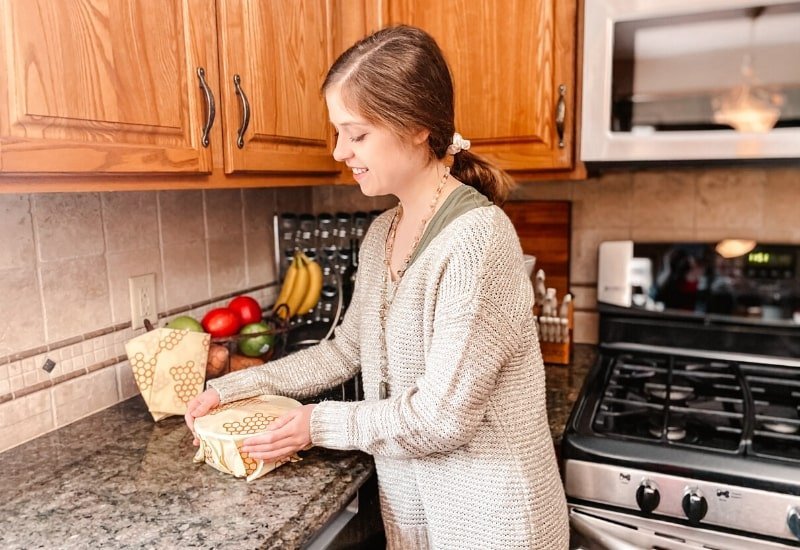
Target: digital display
[766, 258]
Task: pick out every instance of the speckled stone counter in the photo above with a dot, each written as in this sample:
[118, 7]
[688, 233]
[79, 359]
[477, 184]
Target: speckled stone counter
[118, 480]
[563, 386]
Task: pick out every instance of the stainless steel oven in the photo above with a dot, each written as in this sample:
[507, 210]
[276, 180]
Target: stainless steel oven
[687, 431]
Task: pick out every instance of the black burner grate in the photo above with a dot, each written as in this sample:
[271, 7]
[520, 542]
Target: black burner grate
[671, 400]
[734, 407]
[776, 403]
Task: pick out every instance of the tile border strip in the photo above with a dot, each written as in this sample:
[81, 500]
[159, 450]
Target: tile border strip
[18, 356]
[62, 378]
[110, 362]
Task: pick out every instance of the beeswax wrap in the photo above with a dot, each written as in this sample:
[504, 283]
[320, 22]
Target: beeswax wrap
[222, 431]
[169, 367]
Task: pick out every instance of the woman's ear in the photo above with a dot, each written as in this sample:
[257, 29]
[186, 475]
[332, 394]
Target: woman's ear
[421, 136]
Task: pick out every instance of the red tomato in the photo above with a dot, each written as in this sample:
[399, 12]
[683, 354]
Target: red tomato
[221, 321]
[246, 308]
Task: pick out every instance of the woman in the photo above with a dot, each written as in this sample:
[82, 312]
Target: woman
[440, 325]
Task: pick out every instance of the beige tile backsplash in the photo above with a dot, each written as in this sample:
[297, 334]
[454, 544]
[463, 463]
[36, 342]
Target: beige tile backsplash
[65, 261]
[67, 225]
[75, 296]
[21, 310]
[16, 228]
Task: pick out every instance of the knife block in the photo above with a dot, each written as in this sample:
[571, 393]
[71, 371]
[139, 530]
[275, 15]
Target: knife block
[559, 353]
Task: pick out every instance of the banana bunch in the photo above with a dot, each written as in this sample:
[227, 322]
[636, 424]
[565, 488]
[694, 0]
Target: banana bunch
[301, 288]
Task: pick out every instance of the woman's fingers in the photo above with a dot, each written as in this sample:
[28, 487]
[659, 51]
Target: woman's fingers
[282, 420]
[274, 454]
[284, 437]
[199, 406]
[270, 440]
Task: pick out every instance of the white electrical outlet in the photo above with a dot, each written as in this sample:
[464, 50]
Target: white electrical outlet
[143, 299]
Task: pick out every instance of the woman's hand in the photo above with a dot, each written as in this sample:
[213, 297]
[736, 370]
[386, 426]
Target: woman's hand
[288, 434]
[199, 406]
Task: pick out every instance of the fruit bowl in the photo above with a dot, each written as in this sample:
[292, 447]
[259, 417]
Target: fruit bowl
[248, 349]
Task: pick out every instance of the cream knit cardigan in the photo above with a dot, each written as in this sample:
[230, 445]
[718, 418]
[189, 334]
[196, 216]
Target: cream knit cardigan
[462, 445]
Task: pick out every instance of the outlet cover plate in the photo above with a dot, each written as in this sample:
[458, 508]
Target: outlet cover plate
[143, 299]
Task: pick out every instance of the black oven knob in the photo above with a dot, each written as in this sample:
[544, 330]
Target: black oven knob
[694, 505]
[793, 521]
[647, 496]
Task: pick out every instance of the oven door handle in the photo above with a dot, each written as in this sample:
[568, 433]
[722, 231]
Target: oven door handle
[599, 532]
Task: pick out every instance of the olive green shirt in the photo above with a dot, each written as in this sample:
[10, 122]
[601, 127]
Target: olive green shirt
[463, 199]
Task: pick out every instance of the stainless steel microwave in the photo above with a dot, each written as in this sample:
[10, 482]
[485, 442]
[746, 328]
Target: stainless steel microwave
[690, 80]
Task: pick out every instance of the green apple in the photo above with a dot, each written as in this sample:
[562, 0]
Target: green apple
[256, 345]
[184, 322]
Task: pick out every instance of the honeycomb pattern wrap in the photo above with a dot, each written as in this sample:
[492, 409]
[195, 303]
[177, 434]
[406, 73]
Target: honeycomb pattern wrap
[222, 431]
[187, 379]
[161, 362]
[143, 371]
[172, 340]
[250, 464]
[249, 424]
[232, 404]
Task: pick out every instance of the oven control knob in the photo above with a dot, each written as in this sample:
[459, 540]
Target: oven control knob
[793, 521]
[647, 496]
[694, 505]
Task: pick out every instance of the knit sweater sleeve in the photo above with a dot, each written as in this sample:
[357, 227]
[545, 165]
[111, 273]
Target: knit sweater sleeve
[302, 374]
[480, 305]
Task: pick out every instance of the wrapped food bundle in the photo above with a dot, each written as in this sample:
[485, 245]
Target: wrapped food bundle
[222, 431]
[169, 367]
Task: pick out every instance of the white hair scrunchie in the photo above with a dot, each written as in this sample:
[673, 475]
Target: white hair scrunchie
[459, 144]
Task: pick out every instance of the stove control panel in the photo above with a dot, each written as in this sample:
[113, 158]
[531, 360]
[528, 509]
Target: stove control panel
[793, 521]
[704, 503]
[694, 504]
[647, 496]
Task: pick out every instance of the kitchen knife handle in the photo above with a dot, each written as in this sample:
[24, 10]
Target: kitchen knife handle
[561, 113]
[237, 83]
[211, 109]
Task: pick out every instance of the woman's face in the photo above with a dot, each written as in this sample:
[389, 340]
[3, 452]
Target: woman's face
[381, 162]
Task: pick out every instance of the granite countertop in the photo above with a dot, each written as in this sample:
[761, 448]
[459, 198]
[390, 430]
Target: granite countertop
[116, 479]
[563, 386]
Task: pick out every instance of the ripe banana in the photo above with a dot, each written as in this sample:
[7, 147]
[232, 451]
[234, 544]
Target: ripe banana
[300, 287]
[314, 286]
[289, 282]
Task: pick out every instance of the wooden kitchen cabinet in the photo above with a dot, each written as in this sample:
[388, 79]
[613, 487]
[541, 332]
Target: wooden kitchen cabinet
[514, 69]
[104, 86]
[111, 87]
[274, 55]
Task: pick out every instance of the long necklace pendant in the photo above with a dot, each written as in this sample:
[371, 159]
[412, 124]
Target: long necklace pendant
[383, 390]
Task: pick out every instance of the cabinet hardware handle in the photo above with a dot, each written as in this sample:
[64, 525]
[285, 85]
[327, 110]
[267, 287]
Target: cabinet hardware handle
[237, 83]
[561, 114]
[211, 109]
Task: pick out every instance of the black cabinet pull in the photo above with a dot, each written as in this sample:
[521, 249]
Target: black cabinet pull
[211, 109]
[237, 83]
[561, 114]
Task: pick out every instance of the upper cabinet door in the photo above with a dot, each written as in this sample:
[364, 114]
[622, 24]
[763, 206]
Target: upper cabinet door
[105, 86]
[274, 56]
[509, 59]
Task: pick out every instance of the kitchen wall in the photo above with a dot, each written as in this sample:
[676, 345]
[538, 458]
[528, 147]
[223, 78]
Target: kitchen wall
[667, 205]
[65, 261]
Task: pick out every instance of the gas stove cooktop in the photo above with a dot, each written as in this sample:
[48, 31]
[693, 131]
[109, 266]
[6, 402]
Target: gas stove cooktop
[728, 403]
[675, 439]
[712, 414]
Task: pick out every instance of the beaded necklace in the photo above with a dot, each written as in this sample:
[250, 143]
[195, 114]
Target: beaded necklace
[386, 301]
